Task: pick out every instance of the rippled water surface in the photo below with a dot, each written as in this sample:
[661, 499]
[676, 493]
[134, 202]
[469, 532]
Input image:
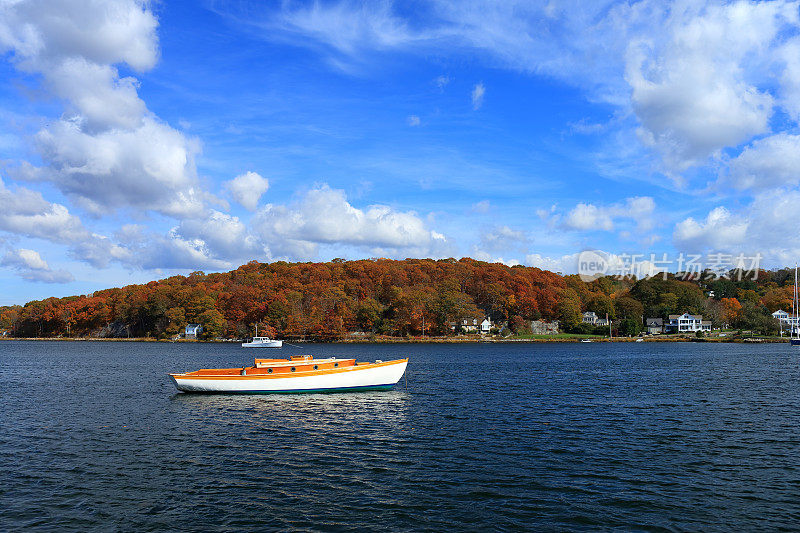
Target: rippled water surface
[502, 436]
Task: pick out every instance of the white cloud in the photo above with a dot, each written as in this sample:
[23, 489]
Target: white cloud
[481, 207]
[103, 31]
[247, 189]
[698, 76]
[721, 230]
[146, 250]
[25, 212]
[221, 236]
[324, 216]
[413, 120]
[480, 255]
[566, 264]
[502, 239]
[589, 217]
[762, 227]
[770, 162]
[150, 167]
[692, 87]
[107, 151]
[477, 95]
[30, 266]
[442, 82]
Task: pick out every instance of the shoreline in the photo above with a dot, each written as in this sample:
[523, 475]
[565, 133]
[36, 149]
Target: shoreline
[430, 340]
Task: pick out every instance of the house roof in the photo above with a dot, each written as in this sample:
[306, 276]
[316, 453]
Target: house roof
[696, 317]
[654, 321]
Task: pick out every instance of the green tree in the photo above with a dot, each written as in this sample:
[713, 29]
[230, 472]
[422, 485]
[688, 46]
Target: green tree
[569, 309]
[213, 323]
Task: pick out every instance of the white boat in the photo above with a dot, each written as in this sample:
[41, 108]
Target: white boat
[301, 373]
[586, 340]
[262, 342]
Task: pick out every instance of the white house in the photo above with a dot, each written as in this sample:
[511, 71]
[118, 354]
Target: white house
[781, 316]
[467, 324]
[589, 317]
[687, 323]
[193, 330]
[486, 325]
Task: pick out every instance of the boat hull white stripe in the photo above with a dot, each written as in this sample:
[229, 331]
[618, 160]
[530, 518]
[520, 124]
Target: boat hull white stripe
[384, 375]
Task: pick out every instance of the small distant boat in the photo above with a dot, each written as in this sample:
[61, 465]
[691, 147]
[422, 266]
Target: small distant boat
[300, 373]
[586, 340]
[262, 342]
[639, 340]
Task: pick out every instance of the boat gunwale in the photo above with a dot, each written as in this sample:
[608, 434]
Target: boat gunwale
[301, 373]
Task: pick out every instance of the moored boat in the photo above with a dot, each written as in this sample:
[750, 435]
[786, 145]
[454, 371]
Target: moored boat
[262, 342]
[301, 373]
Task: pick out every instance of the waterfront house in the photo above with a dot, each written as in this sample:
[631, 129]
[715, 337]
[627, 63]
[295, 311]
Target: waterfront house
[781, 316]
[542, 327]
[687, 323]
[193, 331]
[486, 325]
[589, 317]
[654, 326]
[604, 322]
[468, 325]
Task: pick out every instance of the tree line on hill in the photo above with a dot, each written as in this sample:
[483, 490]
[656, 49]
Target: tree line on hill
[328, 301]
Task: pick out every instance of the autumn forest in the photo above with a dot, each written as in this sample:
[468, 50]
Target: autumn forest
[336, 299]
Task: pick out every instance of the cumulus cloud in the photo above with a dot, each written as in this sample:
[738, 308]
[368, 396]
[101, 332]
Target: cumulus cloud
[30, 266]
[588, 217]
[324, 216]
[698, 76]
[762, 227]
[689, 89]
[502, 239]
[721, 230]
[150, 167]
[769, 162]
[148, 250]
[477, 95]
[107, 151]
[26, 212]
[247, 189]
[566, 264]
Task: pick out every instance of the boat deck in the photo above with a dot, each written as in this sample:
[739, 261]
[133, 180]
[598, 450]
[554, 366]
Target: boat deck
[278, 366]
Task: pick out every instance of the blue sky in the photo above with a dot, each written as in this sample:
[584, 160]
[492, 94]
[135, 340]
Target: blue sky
[144, 139]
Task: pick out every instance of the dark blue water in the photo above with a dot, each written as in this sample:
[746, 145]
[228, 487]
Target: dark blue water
[499, 436]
